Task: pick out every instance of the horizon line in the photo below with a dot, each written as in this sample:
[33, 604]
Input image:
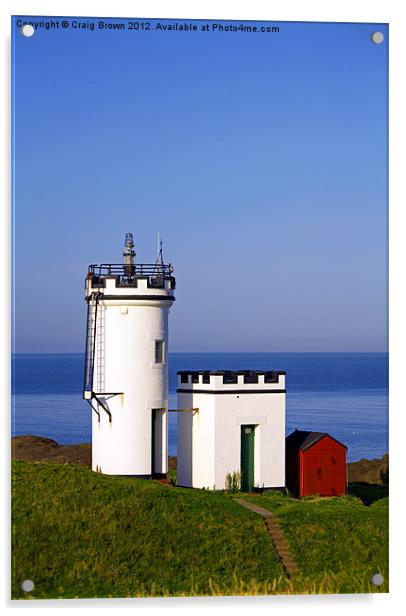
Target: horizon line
[207, 352]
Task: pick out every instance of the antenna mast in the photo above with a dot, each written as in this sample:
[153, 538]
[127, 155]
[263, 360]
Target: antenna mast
[159, 259]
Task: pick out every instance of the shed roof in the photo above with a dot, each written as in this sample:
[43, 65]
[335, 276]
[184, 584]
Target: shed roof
[303, 439]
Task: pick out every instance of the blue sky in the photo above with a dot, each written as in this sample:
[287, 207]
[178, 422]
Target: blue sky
[261, 159]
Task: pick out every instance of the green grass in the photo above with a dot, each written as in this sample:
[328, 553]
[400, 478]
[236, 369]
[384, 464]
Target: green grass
[81, 534]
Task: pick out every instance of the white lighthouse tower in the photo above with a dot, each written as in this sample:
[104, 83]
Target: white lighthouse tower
[126, 365]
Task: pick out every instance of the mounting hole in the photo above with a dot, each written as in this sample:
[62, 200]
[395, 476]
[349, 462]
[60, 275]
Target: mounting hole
[377, 38]
[377, 579]
[27, 585]
[27, 30]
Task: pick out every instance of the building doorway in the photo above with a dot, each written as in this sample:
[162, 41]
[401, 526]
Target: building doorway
[247, 458]
[157, 443]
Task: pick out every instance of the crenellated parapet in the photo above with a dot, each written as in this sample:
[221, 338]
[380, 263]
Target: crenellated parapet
[228, 381]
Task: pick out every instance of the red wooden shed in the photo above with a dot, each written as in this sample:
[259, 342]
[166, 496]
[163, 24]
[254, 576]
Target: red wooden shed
[315, 464]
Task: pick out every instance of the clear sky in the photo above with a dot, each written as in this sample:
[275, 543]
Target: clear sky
[260, 157]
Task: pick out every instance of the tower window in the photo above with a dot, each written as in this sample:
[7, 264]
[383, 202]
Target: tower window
[159, 352]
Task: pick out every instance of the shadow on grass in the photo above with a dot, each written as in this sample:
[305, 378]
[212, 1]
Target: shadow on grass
[368, 492]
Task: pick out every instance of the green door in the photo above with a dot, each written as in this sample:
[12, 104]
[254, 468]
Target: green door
[247, 458]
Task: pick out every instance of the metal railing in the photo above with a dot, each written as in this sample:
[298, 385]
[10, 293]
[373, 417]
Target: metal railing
[138, 270]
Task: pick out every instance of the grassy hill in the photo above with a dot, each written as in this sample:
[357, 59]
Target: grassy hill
[81, 534]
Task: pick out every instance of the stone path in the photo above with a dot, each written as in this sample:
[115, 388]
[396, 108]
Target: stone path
[276, 533]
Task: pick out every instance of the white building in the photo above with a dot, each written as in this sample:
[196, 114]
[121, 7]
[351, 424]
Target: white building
[126, 368]
[231, 421]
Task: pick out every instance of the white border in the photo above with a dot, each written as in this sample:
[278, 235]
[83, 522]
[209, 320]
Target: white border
[275, 10]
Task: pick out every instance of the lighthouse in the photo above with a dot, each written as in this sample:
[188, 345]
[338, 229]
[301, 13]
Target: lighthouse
[126, 363]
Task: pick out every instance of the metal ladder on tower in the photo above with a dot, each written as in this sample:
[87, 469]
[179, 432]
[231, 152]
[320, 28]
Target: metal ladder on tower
[93, 337]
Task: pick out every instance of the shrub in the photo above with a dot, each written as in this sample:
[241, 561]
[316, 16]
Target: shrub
[233, 482]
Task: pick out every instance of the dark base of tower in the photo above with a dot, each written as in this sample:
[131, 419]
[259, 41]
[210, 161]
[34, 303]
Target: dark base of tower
[153, 476]
[159, 476]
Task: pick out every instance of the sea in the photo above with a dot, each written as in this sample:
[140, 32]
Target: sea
[344, 394]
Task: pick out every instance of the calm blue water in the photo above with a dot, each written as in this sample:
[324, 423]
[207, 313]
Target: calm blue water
[344, 394]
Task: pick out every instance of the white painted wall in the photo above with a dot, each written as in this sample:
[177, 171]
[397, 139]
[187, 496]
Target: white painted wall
[123, 446]
[215, 447]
